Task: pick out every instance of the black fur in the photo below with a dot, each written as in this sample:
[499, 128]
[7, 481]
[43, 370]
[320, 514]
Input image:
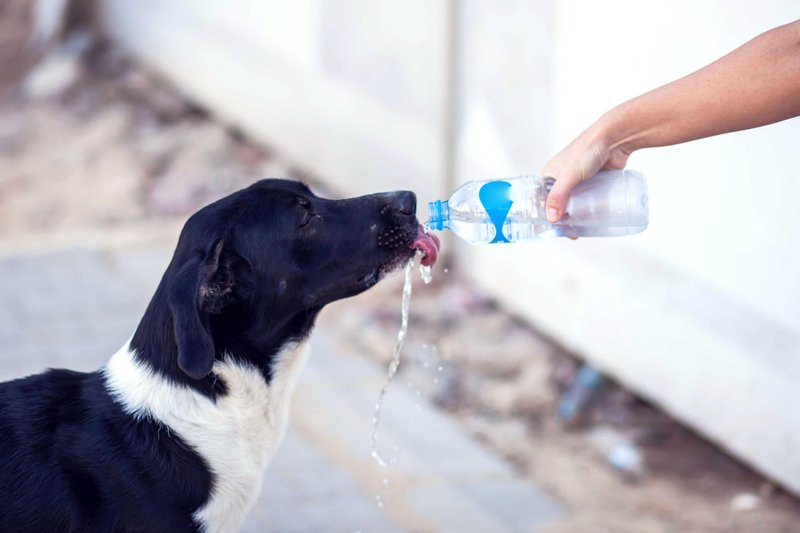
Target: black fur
[250, 273]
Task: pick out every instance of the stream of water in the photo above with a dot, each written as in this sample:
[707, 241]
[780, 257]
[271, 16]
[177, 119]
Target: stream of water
[398, 347]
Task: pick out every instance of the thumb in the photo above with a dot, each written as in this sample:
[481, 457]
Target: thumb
[559, 195]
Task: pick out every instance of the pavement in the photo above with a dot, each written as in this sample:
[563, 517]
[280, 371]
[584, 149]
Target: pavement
[74, 307]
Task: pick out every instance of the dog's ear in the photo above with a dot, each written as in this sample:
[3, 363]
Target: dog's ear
[202, 287]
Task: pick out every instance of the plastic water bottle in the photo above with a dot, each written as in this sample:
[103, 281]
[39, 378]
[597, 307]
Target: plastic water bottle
[609, 204]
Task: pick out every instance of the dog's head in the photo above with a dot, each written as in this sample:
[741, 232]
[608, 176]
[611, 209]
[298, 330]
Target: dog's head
[252, 270]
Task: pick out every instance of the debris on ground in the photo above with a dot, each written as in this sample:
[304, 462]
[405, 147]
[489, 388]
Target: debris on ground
[583, 388]
[618, 450]
[745, 502]
[17, 32]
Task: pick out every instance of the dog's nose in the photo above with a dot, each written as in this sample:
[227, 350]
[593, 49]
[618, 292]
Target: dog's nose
[404, 202]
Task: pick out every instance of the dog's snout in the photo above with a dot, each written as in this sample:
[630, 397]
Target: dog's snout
[404, 202]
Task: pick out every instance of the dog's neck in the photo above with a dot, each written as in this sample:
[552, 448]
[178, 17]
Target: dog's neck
[235, 335]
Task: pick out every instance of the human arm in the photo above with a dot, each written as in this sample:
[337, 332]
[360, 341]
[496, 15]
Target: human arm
[756, 84]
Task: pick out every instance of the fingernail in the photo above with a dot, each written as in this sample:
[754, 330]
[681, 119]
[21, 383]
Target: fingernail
[552, 214]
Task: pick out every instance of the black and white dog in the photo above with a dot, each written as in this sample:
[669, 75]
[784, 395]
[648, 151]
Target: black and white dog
[175, 432]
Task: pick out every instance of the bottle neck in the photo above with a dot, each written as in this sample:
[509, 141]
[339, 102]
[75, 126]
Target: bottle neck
[438, 215]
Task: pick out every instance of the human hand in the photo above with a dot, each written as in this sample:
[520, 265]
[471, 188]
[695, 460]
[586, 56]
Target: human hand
[755, 85]
[589, 153]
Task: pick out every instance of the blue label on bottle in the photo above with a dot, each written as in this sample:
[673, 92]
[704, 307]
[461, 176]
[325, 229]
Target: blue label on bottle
[496, 199]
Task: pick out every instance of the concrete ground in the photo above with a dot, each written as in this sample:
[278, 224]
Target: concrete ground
[74, 307]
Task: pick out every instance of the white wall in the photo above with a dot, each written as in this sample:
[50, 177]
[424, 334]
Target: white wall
[351, 90]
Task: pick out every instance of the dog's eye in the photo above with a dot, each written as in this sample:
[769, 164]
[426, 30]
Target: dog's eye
[306, 214]
[305, 218]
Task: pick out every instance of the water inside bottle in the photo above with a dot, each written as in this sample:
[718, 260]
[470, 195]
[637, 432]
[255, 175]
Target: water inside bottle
[524, 221]
[515, 229]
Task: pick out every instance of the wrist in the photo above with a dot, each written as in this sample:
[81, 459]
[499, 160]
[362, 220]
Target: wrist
[617, 130]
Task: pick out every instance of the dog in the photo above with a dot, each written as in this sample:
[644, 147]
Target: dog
[175, 431]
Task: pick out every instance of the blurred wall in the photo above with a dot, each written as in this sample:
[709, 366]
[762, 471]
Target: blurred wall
[699, 313]
[350, 90]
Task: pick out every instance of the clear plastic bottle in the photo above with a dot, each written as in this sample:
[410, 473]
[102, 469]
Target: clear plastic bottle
[609, 204]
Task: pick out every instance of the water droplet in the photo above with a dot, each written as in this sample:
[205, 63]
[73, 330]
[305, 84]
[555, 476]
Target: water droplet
[380, 460]
[386, 481]
[445, 271]
[425, 273]
[440, 368]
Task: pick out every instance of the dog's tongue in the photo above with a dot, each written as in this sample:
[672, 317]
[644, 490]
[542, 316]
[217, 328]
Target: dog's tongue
[429, 244]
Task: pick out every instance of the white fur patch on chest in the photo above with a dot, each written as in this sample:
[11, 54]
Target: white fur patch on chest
[237, 435]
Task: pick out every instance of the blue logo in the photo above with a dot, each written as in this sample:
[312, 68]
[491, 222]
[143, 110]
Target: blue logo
[496, 199]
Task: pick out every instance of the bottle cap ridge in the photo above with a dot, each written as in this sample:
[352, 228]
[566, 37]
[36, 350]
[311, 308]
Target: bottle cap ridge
[438, 215]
